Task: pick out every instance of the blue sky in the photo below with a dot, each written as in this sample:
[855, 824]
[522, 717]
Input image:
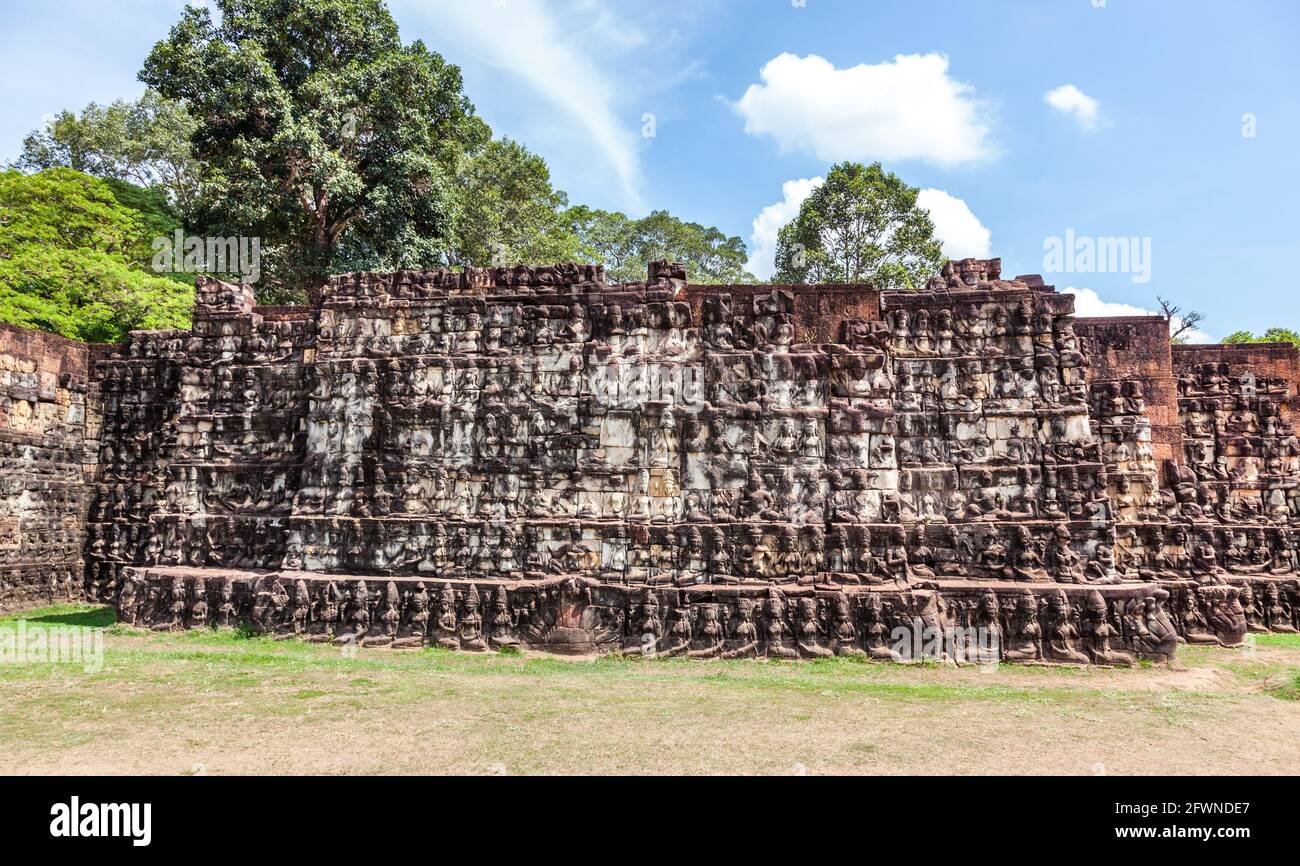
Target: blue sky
[1022, 119]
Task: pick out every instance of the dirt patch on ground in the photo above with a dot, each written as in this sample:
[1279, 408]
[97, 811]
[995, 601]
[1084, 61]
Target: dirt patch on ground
[217, 704]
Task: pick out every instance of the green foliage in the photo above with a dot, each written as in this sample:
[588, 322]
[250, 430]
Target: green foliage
[1272, 335]
[609, 239]
[73, 259]
[509, 213]
[626, 246]
[145, 142]
[861, 226]
[310, 126]
[709, 255]
[320, 133]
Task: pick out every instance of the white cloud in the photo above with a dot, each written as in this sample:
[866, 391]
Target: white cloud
[1088, 303]
[907, 108]
[963, 235]
[547, 49]
[1072, 101]
[770, 221]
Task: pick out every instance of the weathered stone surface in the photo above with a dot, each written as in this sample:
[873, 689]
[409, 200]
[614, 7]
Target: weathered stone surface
[530, 457]
[1136, 349]
[46, 444]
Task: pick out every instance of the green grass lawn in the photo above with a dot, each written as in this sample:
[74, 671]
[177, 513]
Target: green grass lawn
[209, 702]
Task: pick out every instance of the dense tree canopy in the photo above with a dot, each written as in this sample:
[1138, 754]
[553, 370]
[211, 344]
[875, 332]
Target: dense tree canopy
[1272, 335]
[321, 132]
[145, 142]
[509, 212]
[626, 246]
[73, 257]
[310, 126]
[861, 225]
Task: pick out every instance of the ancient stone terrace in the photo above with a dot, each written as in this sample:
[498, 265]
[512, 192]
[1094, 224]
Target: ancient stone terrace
[531, 457]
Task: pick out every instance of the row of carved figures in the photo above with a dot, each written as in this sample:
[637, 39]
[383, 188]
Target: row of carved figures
[572, 613]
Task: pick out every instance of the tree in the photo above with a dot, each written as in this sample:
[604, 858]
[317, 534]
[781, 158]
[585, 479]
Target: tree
[509, 213]
[73, 259]
[861, 225]
[710, 256]
[626, 246]
[607, 238]
[145, 142]
[321, 133]
[1272, 335]
[1180, 323]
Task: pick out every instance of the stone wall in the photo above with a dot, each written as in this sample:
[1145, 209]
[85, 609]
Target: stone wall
[1136, 349]
[530, 456]
[202, 444]
[1241, 466]
[45, 456]
[497, 431]
[533, 456]
[1277, 361]
[818, 311]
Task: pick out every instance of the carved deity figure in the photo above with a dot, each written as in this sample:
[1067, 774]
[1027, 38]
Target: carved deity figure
[1025, 636]
[446, 625]
[503, 621]
[1101, 635]
[1062, 643]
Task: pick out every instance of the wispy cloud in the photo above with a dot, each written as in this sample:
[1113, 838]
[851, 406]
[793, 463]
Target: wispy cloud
[561, 54]
[1072, 101]
[905, 108]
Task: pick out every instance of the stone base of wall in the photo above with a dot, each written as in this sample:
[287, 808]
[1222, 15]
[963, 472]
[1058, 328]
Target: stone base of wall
[967, 621]
[25, 588]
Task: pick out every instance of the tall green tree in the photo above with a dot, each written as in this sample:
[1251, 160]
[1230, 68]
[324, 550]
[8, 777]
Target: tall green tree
[1272, 335]
[321, 133]
[607, 238]
[626, 246]
[709, 254]
[509, 212]
[74, 258]
[861, 225]
[145, 142]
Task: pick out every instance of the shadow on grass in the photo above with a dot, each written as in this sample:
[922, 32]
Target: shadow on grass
[84, 617]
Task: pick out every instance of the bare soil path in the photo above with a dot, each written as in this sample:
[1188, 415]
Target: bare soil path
[220, 704]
